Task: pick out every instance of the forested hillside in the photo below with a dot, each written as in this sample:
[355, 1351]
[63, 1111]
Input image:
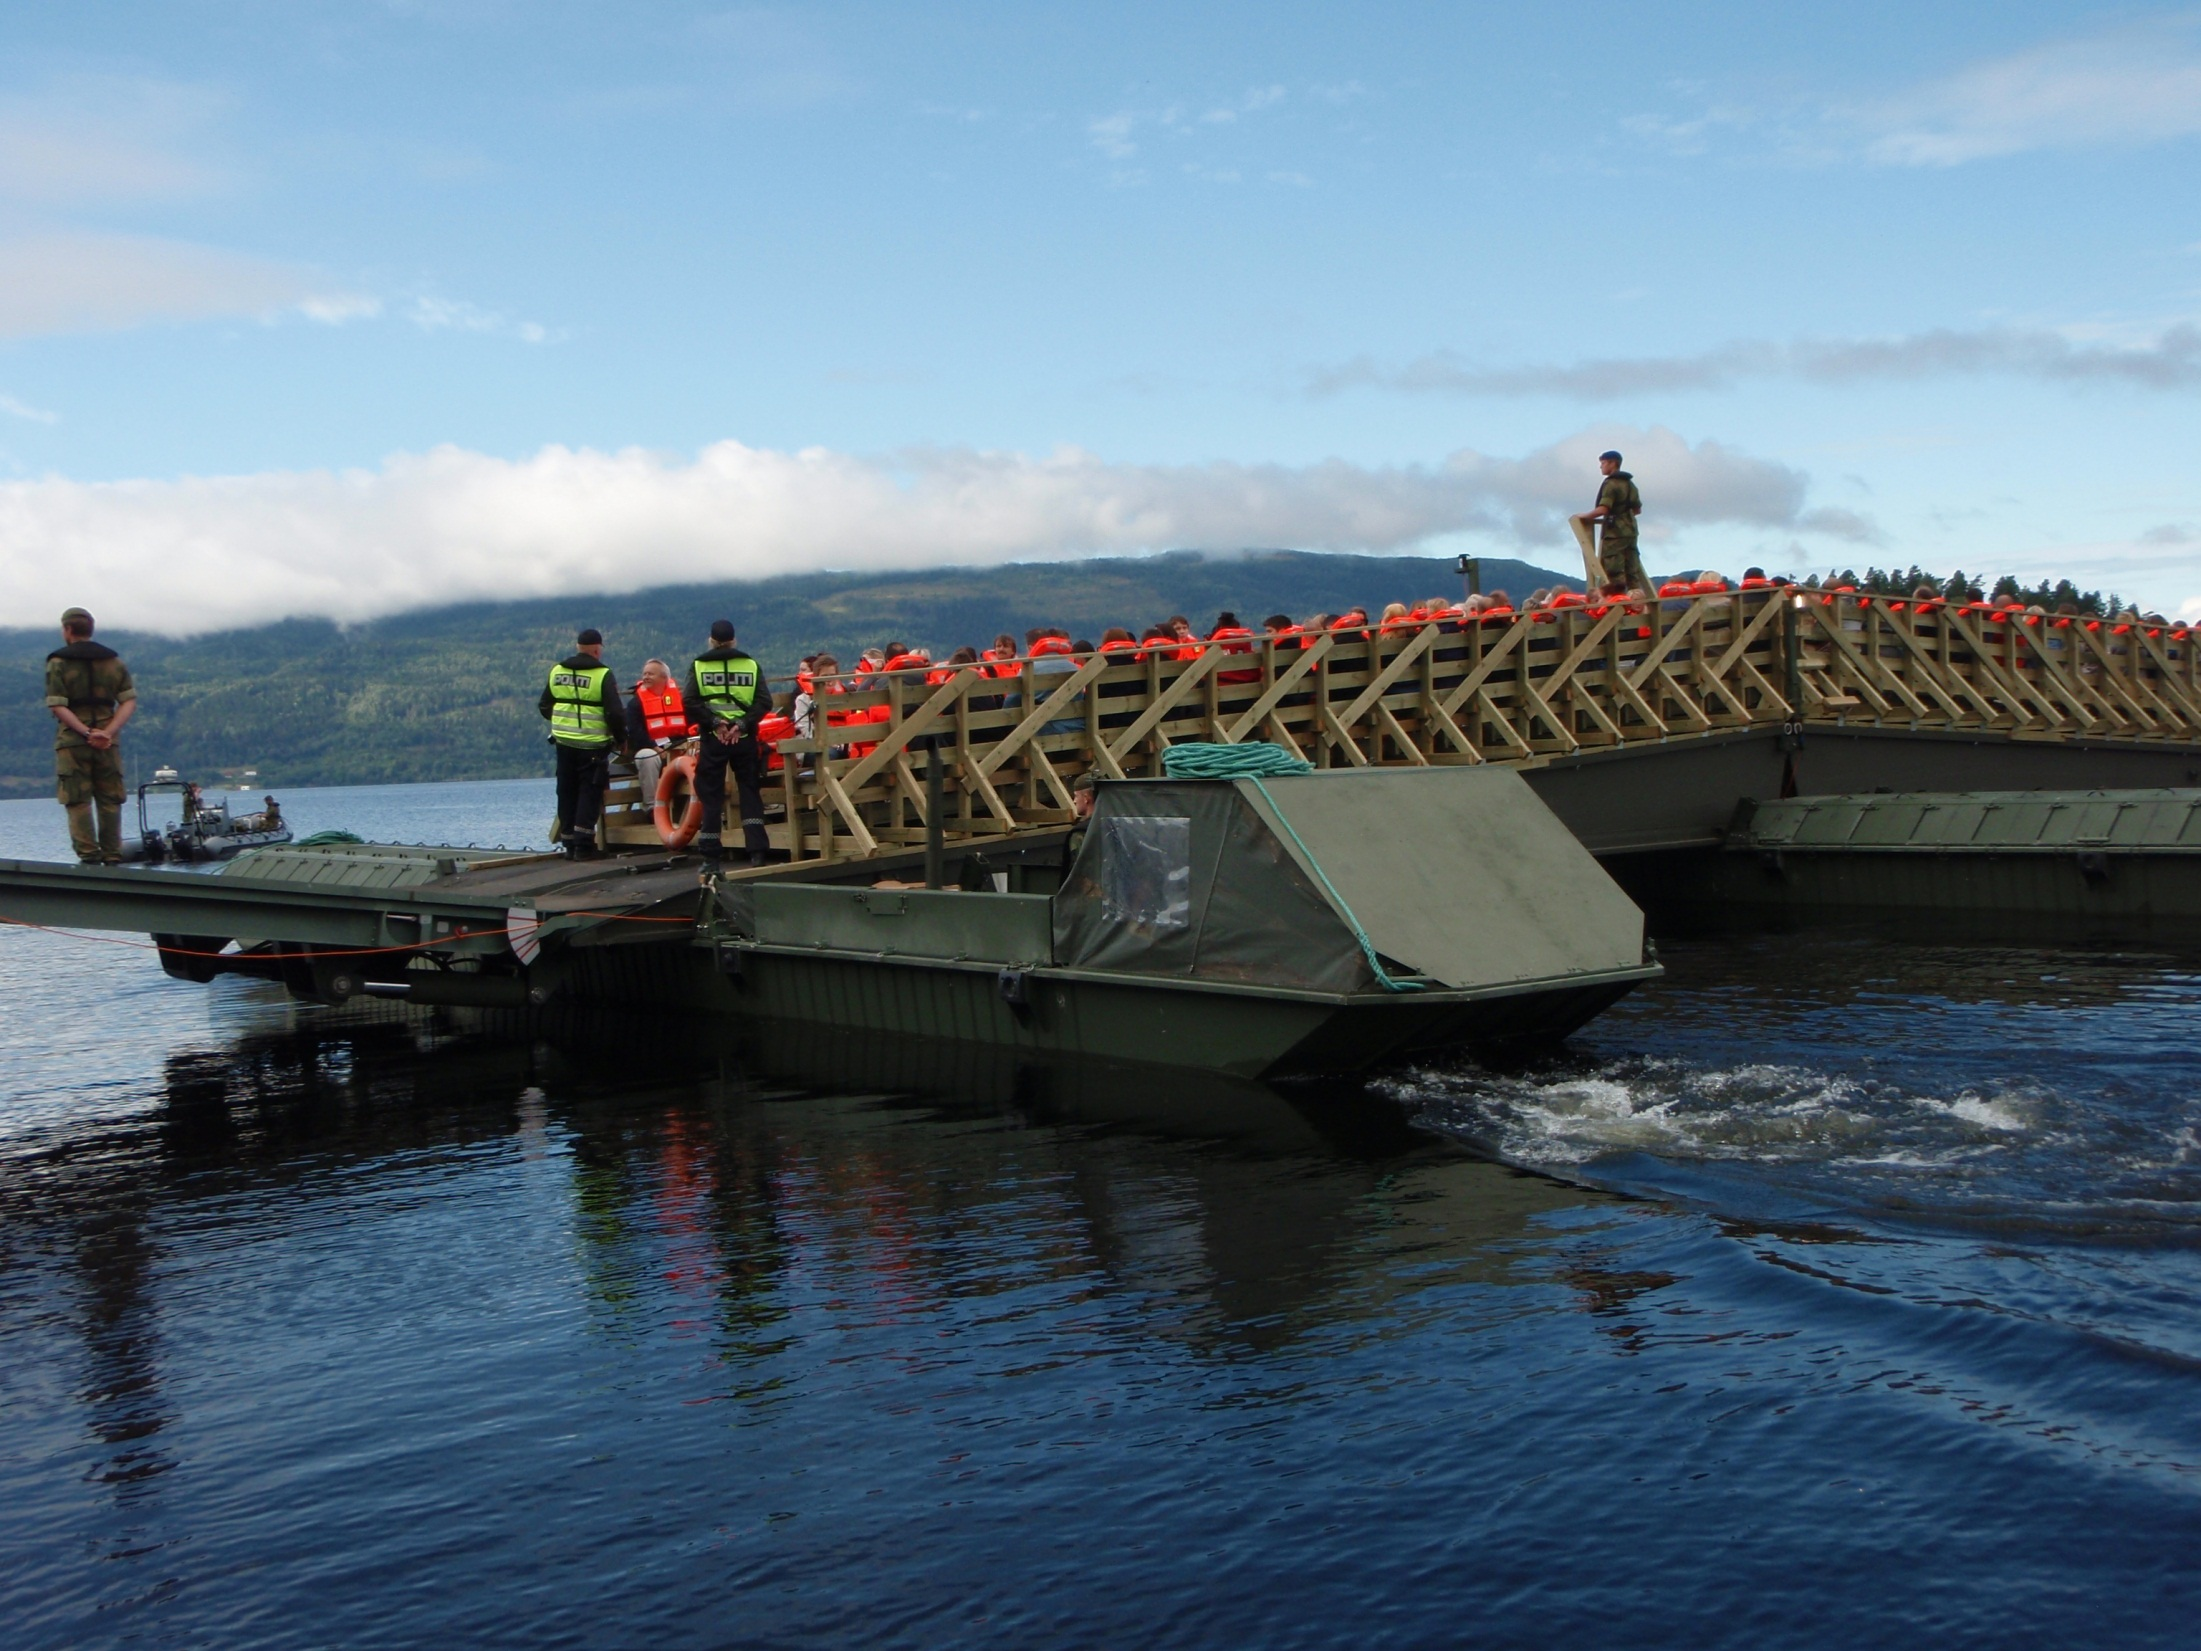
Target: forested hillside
[450, 692]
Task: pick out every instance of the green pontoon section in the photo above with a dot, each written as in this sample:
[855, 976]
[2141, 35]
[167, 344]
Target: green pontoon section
[1310, 924]
[2112, 866]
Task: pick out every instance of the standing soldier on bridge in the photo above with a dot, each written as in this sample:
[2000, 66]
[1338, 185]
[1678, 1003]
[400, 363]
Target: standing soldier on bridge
[89, 691]
[726, 698]
[1618, 505]
[587, 723]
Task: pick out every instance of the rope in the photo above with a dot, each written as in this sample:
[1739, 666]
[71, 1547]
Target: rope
[1367, 947]
[1199, 761]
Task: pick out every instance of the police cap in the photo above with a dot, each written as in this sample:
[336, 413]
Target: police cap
[1608, 454]
[591, 638]
[722, 630]
[76, 616]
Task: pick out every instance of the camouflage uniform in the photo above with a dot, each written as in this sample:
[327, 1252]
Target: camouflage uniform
[91, 680]
[1616, 547]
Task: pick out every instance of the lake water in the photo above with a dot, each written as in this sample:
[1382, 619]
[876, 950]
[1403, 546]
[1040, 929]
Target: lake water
[1859, 1303]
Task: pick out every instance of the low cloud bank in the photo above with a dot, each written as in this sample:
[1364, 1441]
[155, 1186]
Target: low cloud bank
[450, 525]
[2169, 361]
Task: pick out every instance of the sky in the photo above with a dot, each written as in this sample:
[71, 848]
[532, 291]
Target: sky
[342, 309]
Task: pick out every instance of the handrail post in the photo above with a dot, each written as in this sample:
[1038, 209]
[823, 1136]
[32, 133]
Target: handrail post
[935, 826]
[1792, 641]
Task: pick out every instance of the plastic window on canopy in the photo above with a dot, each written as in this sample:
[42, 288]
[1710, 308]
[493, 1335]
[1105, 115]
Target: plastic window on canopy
[1146, 871]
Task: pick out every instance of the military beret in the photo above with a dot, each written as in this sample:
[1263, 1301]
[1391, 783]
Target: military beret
[75, 616]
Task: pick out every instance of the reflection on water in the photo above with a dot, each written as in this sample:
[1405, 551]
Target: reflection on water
[361, 1326]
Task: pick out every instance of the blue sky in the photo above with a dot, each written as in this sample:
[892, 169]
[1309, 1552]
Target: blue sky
[344, 308]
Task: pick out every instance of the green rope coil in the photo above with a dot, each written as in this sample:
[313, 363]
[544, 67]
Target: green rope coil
[1199, 761]
[322, 839]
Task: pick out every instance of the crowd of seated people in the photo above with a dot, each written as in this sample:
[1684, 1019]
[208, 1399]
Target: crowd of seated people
[1048, 653]
[1032, 667]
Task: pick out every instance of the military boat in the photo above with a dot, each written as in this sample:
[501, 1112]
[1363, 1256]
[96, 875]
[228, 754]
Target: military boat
[203, 831]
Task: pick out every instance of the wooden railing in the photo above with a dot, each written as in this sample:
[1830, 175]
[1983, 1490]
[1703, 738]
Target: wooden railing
[1520, 689]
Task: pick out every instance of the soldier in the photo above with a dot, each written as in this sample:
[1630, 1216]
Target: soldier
[587, 723]
[1618, 505]
[89, 691]
[726, 698]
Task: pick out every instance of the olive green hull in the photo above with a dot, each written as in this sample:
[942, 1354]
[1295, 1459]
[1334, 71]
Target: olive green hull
[1188, 1025]
[2015, 897]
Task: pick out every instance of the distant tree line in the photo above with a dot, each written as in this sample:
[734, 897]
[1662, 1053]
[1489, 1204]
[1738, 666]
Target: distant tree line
[2060, 596]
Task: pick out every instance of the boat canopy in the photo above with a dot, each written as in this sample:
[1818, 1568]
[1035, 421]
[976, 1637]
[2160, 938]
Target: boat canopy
[1275, 882]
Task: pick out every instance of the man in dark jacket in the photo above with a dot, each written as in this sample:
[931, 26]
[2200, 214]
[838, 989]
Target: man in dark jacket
[726, 699]
[587, 723]
[89, 691]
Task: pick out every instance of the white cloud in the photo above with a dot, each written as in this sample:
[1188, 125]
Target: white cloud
[336, 309]
[80, 281]
[1261, 97]
[104, 139]
[1117, 135]
[1111, 134]
[451, 525]
[456, 315]
[2130, 86]
[24, 410]
[2169, 360]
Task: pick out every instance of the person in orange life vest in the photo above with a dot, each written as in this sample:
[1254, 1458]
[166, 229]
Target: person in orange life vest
[657, 720]
[957, 661]
[1118, 644]
[1050, 657]
[1352, 619]
[1235, 639]
[825, 684]
[1156, 642]
[1001, 659]
[905, 662]
[1188, 640]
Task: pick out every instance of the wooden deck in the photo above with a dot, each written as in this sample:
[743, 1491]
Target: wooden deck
[1525, 690]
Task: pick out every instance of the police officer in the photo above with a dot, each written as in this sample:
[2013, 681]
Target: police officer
[726, 699]
[89, 691]
[1618, 505]
[587, 723]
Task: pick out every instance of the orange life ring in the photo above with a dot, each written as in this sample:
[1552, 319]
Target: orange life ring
[681, 767]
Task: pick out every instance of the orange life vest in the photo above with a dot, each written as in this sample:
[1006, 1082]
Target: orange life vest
[663, 714]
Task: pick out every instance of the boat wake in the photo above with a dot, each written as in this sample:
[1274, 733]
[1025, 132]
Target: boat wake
[1569, 1117]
